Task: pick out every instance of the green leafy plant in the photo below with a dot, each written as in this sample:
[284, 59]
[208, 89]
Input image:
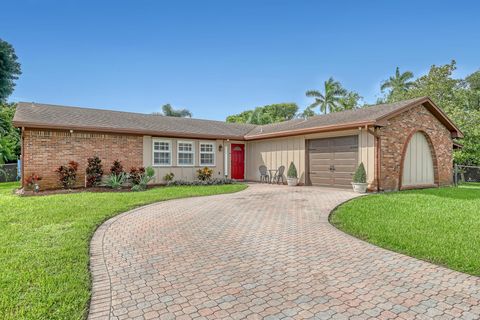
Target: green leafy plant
[67, 175]
[292, 171]
[204, 174]
[143, 179]
[116, 167]
[169, 177]
[136, 174]
[94, 171]
[360, 175]
[115, 181]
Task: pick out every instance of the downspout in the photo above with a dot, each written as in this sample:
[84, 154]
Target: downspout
[378, 150]
[22, 156]
[377, 156]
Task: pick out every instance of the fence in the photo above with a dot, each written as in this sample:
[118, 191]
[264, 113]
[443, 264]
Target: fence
[9, 172]
[464, 174]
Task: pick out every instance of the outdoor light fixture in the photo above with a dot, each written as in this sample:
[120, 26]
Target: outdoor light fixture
[220, 148]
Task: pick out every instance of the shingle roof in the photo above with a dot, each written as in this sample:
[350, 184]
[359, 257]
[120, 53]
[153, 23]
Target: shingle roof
[53, 116]
[61, 117]
[367, 114]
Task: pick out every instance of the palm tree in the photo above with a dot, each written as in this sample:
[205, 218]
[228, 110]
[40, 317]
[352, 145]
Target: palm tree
[169, 111]
[329, 100]
[399, 82]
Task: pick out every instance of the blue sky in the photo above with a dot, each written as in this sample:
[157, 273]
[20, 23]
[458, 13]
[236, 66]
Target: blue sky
[221, 57]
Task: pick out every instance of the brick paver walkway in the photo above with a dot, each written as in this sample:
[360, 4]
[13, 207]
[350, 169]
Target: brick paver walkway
[267, 252]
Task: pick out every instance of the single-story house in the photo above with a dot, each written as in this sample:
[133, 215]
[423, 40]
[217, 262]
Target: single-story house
[407, 144]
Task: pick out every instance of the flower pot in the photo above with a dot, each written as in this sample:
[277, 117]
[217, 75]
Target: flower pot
[360, 187]
[292, 181]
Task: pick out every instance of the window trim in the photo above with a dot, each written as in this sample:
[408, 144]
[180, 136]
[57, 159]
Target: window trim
[170, 147]
[214, 152]
[192, 152]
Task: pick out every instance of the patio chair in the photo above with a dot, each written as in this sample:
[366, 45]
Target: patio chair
[279, 175]
[264, 176]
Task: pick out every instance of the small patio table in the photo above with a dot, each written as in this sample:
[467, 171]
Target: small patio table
[272, 172]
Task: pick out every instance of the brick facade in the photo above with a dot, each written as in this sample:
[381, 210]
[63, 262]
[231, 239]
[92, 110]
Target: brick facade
[395, 136]
[45, 150]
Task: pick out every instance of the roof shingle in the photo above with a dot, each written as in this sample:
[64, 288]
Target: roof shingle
[62, 117]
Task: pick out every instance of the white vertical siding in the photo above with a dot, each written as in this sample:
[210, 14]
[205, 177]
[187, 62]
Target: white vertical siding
[418, 162]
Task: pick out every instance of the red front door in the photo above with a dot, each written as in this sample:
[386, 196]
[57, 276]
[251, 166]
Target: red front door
[238, 161]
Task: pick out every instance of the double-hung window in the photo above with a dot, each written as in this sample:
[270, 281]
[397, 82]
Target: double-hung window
[185, 153]
[162, 153]
[207, 154]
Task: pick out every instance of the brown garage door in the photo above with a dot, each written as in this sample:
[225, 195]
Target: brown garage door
[332, 161]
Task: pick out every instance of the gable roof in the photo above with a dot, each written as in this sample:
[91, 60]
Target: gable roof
[35, 115]
[373, 115]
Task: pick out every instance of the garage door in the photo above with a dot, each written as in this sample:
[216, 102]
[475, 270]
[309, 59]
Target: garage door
[332, 161]
[418, 163]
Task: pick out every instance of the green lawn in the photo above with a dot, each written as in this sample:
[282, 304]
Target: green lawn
[438, 225]
[44, 246]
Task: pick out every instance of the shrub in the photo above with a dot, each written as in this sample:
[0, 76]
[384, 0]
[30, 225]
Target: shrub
[201, 182]
[144, 178]
[168, 177]
[32, 180]
[204, 174]
[136, 174]
[292, 171]
[94, 171]
[115, 181]
[360, 175]
[116, 168]
[67, 175]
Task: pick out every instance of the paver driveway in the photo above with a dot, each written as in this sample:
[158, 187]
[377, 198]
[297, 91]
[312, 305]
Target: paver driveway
[268, 251]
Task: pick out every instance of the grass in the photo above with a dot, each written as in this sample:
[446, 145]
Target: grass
[437, 225]
[44, 246]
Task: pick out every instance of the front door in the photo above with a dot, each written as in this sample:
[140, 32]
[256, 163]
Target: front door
[238, 161]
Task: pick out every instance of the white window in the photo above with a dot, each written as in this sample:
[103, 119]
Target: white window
[162, 153]
[207, 154]
[185, 153]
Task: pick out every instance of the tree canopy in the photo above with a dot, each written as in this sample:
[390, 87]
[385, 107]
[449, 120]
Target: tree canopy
[9, 70]
[9, 135]
[169, 111]
[333, 98]
[267, 114]
[458, 98]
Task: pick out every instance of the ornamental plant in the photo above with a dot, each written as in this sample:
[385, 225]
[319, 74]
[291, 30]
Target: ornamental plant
[67, 175]
[292, 171]
[204, 174]
[360, 175]
[115, 181]
[116, 167]
[169, 177]
[94, 171]
[144, 178]
[32, 180]
[136, 174]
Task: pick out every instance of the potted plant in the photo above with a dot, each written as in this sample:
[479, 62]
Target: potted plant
[292, 177]
[360, 179]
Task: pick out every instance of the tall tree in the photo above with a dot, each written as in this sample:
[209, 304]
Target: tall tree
[9, 70]
[267, 114]
[398, 83]
[329, 100]
[459, 99]
[9, 135]
[169, 111]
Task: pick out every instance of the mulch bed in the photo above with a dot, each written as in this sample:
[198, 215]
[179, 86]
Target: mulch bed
[30, 193]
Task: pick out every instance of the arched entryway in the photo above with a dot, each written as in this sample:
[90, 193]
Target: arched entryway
[418, 163]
